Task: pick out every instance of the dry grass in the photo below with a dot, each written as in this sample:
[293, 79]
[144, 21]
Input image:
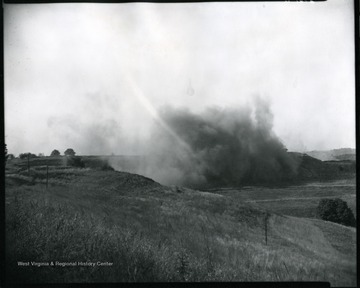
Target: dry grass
[156, 233]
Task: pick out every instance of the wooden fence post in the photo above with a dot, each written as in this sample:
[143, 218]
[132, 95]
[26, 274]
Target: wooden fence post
[266, 226]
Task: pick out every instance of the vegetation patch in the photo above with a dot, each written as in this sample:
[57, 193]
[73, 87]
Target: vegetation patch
[336, 210]
[150, 232]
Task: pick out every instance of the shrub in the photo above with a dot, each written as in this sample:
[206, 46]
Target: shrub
[336, 210]
[75, 161]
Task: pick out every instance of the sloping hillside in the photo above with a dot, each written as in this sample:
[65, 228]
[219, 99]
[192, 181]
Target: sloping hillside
[306, 168]
[310, 168]
[334, 154]
[151, 232]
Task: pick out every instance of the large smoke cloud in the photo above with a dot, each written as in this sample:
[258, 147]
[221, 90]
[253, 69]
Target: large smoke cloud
[218, 147]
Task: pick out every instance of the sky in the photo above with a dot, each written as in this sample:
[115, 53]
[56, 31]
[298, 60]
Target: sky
[92, 76]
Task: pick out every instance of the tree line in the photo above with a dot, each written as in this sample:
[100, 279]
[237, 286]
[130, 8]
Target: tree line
[54, 153]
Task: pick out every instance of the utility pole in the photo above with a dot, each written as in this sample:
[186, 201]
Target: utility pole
[47, 175]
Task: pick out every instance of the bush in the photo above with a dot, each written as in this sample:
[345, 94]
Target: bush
[75, 161]
[336, 210]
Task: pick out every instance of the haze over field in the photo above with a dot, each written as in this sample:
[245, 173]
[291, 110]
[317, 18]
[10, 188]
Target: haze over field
[110, 78]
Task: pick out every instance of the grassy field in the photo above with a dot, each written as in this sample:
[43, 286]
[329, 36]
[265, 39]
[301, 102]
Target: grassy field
[295, 200]
[151, 232]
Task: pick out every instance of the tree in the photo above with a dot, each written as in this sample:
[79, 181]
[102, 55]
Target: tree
[26, 155]
[55, 153]
[10, 156]
[336, 210]
[23, 155]
[6, 153]
[69, 152]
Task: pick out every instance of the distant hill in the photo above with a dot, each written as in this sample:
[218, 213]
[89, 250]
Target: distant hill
[334, 154]
[311, 168]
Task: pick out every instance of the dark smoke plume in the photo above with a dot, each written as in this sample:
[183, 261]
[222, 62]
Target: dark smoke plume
[219, 147]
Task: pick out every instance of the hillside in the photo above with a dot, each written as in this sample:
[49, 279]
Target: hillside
[334, 154]
[306, 168]
[152, 232]
[310, 168]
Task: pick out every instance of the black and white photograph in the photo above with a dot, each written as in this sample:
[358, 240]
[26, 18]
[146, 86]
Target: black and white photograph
[180, 142]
